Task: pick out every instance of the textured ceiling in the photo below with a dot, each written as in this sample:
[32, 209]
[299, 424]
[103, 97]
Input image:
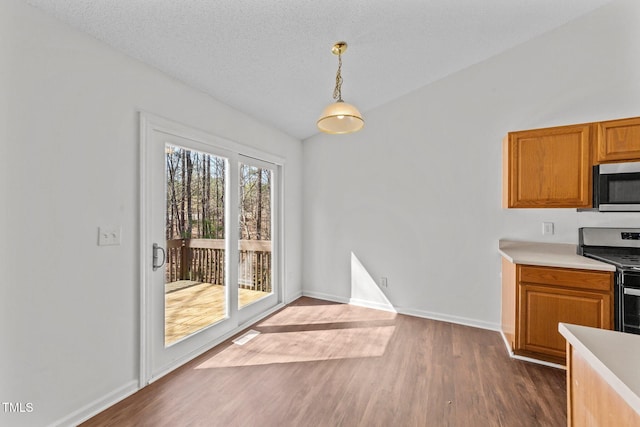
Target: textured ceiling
[272, 58]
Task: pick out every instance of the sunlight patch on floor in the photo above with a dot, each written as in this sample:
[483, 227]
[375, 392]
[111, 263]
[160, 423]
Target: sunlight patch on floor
[321, 314]
[304, 346]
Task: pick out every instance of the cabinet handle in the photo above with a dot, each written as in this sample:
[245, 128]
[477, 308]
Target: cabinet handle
[631, 291]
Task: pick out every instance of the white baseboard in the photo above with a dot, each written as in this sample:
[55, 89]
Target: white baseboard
[83, 414]
[480, 324]
[370, 304]
[99, 405]
[290, 298]
[507, 344]
[528, 359]
[326, 297]
[408, 311]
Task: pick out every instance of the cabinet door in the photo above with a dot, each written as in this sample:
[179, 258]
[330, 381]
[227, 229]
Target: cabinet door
[548, 168]
[543, 307]
[618, 140]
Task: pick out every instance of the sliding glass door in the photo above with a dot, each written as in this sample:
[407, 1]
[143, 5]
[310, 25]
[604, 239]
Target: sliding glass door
[258, 213]
[210, 243]
[195, 223]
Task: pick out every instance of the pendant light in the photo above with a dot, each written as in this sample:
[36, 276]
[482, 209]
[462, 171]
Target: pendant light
[340, 117]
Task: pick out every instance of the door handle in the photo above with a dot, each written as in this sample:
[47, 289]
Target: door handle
[156, 248]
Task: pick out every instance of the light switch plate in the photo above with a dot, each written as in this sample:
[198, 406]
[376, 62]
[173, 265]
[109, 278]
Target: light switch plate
[547, 228]
[109, 235]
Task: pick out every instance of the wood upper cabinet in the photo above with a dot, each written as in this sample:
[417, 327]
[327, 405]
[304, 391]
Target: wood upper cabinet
[618, 140]
[535, 299]
[548, 168]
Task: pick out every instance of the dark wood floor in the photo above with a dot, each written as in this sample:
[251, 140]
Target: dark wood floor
[318, 363]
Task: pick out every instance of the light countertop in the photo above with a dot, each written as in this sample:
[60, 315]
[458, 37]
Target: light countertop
[549, 255]
[613, 355]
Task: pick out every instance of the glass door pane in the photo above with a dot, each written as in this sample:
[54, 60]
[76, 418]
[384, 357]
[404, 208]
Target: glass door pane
[255, 261]
[195, 291]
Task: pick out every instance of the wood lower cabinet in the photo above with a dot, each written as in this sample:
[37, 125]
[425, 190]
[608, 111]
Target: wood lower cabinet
[618, 140]
[535, 299]
[543, 307]
[548, 168]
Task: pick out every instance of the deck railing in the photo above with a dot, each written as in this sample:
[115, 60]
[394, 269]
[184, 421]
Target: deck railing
[203, 260]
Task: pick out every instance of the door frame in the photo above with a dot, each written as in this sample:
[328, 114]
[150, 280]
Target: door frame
[150, 124]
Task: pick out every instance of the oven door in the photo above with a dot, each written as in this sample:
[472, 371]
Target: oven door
[630, 303]
[616, 187]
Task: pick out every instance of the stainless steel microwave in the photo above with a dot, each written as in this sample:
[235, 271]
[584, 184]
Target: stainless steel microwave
[616, 187]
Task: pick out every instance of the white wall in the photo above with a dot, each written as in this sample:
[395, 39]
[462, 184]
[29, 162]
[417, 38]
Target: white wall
[69, 310]
[416, 195]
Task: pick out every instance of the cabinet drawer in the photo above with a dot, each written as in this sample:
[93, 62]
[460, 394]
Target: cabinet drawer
[579, 279]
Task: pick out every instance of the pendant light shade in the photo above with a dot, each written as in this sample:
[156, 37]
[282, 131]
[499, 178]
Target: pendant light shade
[340, 117]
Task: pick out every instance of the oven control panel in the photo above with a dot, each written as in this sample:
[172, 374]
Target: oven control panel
[626, 235]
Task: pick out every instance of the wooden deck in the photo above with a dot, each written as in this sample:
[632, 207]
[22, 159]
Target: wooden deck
[191, 306]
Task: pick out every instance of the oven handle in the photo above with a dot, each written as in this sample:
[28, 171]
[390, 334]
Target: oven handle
[631, 291]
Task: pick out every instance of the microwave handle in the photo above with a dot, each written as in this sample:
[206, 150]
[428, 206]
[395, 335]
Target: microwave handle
[596, 186]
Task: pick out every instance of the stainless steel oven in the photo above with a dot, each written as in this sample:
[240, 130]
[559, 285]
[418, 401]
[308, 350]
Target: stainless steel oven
[620, 247]
[630, 302]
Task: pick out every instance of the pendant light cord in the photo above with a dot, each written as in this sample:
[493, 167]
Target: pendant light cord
[337, 92]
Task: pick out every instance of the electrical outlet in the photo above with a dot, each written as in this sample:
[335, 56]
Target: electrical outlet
[109, 236]
[384, 283]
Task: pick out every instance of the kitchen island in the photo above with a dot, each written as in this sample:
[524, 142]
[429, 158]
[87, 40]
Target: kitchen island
[603, 376]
